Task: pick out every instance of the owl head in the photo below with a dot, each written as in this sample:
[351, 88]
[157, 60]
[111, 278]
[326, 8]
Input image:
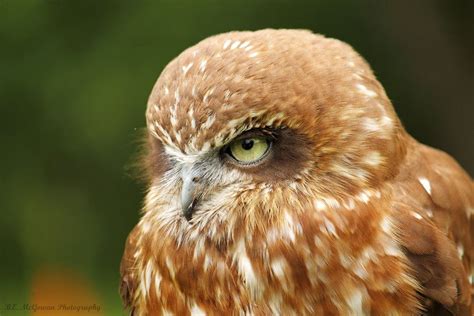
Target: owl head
[246, 125]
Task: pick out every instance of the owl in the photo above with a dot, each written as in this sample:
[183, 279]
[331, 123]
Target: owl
[282, 182]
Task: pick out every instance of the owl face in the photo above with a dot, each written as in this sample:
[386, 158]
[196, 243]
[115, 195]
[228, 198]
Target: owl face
[243, 120]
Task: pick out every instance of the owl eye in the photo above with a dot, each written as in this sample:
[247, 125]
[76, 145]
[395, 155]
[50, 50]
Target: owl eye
[249, 150]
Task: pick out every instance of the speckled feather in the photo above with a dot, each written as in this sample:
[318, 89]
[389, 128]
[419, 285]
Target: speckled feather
[348, 215]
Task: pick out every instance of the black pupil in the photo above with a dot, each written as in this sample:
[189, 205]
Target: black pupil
[247, 144]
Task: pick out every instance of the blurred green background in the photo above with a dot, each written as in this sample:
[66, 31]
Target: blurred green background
[74, 80]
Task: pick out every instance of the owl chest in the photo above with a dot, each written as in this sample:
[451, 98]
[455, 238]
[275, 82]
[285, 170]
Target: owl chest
[282, 278]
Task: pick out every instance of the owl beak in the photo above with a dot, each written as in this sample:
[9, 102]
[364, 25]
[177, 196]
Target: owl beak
[188, 193]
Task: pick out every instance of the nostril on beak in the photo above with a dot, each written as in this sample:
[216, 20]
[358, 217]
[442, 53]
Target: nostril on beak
[188, 212]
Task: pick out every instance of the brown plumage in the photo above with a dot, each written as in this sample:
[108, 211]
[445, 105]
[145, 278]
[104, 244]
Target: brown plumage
[281, 181]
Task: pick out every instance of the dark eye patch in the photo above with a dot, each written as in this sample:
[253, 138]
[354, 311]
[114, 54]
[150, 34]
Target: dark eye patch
[288, 154]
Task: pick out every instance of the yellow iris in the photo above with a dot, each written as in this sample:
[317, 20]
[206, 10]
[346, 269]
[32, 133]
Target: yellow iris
[250, 149]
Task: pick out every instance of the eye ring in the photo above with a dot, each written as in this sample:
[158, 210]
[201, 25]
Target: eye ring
[247, 142]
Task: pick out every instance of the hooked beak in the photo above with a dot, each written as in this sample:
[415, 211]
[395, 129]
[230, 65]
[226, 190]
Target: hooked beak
[190, 192]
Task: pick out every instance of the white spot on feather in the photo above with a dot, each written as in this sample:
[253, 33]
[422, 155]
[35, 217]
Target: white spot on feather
[191, 116]
[205, 147]
[254, 54]
[209, 92]
[386, 121]
[226, 44]
[196, 311]
[227, 94]
[166, 312]
[293, 185]
[207, 262]
[208, 123]
[272, 236]
[235, 45]
[246, 269]
[278, 268]
[177, 98]
[145, 227]
[426, 184]
[245, 266]
[244, 44]
[345, 260]
[331, 202]
[371, 125]
[137, 253]
[202, 65]
[170, 267]
[389, 245]
[363, 197]
[289, 227]
[364, 90]
[319, 205]
[173, 118]
[416, 215]
[178, 137]
[460, 248]
[350, 204]
[167, 138]
[147, 279]
[355, 303]
[361, 272]
[186, 68]
[198, 248]
[373, 158]
[275, 304]
[330, 227]
[386, 225]
[157, 284]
